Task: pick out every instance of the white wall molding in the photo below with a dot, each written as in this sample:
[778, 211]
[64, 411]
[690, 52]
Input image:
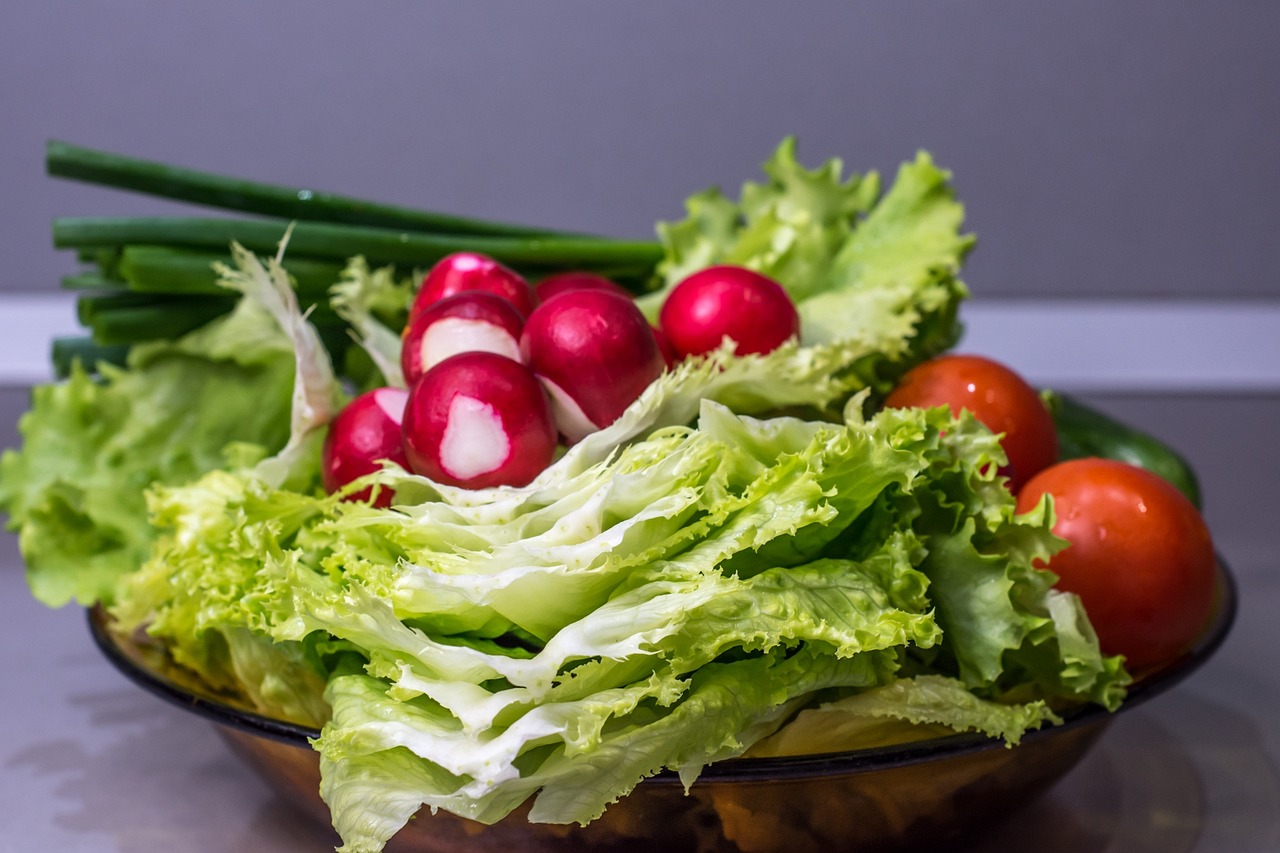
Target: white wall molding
[1121, 346]
[28, 323]
[1133, 346]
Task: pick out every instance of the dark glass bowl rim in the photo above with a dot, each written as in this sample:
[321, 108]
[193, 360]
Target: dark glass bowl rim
[821, 765]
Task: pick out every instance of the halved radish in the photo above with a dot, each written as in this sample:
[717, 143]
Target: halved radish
[472, 321]
[476, 420]
[553, 285]
[595, 353]
[727, 301]
[463, 271]
[364, 433]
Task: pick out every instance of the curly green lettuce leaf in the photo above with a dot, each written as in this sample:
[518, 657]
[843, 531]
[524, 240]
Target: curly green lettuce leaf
[566, 640]
[212, 589]
[734, 488]
[316, 392]
[374, 781]
[858, 266]
[1007, 627]
[281, 680]
[620, 612]
[92, 446]
[888, 266]
[736, 491]
[367, 298]
[661, 624]
[904, 710]
[789, 228]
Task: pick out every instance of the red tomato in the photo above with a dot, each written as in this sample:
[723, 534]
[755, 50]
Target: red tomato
[998, 397]
[1140, 557]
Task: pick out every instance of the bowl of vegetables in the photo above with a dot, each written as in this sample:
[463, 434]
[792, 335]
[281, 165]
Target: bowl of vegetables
[905, 786]
[471, 536]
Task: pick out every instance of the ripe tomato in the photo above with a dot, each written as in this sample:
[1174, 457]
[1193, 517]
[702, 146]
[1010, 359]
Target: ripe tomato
[998, 397]
[1140, 557]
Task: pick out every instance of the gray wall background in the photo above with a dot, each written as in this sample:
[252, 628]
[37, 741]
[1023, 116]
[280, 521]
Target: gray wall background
[1101, 147]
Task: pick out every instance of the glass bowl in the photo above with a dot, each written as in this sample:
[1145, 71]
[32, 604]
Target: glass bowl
[888, 798]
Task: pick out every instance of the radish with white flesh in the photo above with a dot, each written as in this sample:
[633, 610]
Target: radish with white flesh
[752, 310]
[474, 321]
[478, 420]
[595, 353]
[554, 285]
[364, 433]
[463, 271]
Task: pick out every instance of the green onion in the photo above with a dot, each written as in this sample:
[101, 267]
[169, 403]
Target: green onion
[106, 259]
[339, 242]
[66, 351]
[127, 318]
[154, 276]
[159, 179]
[163, 269]
[91, 280]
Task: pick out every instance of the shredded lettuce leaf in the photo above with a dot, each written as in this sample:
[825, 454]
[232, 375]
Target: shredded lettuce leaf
[363, 297]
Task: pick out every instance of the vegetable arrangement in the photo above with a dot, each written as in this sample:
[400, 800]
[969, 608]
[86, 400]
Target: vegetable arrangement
[517, 515]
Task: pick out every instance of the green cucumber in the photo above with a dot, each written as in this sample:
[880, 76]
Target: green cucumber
[1086, 431]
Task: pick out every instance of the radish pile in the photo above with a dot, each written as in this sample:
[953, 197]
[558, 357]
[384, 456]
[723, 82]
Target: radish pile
[500, 373]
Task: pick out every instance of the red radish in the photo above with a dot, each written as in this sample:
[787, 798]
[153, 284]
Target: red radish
[669, 356]
[595, 353]
[554, 285]
[472, 321]
[366, 431]
[749, 308]
[477, 420]
[463, 271]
